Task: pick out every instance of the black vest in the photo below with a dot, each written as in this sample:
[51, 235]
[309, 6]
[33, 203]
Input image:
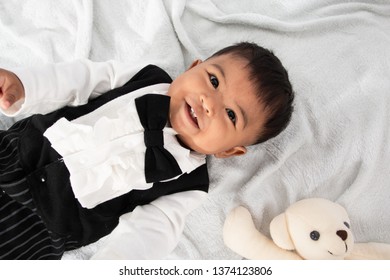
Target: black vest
[49, 182]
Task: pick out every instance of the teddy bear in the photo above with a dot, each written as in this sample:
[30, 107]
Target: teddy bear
[312, 228]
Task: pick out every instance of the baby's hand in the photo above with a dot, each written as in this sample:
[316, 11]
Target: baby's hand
[11, 89]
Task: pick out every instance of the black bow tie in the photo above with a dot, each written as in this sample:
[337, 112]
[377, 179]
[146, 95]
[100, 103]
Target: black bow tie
[153, 110]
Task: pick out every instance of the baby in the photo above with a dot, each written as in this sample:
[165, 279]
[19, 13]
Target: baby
[103, 155]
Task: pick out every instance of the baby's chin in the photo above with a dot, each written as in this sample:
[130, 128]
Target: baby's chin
[191, 146]
[185, 143]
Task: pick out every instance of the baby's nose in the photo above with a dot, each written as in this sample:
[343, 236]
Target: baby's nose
[208, 104]
[342, 234]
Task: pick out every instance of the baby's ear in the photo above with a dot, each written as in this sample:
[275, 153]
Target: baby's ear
[236, 151]
[194, 63]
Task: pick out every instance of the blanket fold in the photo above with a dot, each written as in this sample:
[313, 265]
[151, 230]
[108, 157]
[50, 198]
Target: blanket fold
[337, 55]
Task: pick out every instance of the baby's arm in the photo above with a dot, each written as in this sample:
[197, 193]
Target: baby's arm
[151, 231]
[52, 86]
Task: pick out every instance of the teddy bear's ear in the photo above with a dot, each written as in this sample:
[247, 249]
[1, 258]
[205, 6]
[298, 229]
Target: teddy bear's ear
[280, 233]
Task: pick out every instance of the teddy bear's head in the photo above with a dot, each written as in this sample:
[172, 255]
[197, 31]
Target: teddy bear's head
[315, 228]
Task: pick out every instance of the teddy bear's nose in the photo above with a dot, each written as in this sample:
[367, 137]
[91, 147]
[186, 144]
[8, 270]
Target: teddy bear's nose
[342, 234]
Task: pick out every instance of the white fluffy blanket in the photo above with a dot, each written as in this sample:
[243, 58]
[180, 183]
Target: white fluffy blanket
[338, 56]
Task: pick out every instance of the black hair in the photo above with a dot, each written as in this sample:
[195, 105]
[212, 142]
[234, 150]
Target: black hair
[271, 83]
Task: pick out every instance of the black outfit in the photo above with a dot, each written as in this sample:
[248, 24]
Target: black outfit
[39, 216]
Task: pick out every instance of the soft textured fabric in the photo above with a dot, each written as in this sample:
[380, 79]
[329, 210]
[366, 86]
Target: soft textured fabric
[337, 56]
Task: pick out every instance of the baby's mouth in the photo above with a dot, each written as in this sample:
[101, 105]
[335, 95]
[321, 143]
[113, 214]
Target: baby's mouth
[193, 115]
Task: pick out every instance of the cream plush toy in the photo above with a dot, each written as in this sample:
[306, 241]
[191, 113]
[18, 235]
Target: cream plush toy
[313, 228]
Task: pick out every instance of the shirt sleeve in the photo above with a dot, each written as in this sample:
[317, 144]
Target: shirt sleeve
[151, 231]
[53, 86]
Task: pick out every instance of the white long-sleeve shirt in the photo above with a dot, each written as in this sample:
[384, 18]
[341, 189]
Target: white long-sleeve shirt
[150, 231]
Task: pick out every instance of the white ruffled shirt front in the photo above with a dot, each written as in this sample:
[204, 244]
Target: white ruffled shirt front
[104, 150]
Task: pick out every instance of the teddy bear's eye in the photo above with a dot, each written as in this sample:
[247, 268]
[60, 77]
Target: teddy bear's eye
[314, 235]
[347, 225]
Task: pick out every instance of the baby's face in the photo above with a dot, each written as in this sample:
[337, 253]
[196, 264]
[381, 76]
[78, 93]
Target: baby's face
[214, 108]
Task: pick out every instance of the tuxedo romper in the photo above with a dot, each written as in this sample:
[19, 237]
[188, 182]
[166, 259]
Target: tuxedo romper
[40, 218]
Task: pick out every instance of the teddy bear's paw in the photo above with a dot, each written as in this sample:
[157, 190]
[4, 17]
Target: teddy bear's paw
[238, 226]
[240, 218]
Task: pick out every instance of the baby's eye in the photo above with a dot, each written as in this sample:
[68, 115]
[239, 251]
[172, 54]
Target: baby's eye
[231, 115]
[214, 81]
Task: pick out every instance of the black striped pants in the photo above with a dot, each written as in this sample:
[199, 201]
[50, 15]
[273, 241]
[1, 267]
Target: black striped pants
[23, 235]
